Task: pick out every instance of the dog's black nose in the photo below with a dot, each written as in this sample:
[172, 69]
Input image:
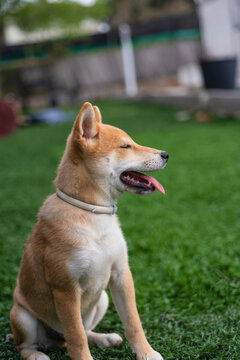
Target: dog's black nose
[164, 155]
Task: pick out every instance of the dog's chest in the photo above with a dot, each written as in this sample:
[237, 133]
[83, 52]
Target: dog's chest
[101, 247]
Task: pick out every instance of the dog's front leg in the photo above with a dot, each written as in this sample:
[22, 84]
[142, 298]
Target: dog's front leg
[123, 294]
[68, 307]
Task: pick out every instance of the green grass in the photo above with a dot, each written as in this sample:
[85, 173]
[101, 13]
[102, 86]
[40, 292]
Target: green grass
[184, 247]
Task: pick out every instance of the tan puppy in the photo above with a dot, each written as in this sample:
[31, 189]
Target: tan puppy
[76, 249]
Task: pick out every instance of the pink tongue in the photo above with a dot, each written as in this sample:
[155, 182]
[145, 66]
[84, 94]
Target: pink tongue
[154, 182]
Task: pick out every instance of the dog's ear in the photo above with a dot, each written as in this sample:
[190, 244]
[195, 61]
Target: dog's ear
[97, 114]
[86, 124]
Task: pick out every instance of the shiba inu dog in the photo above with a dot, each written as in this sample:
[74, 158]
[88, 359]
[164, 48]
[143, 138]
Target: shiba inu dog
[77, 248]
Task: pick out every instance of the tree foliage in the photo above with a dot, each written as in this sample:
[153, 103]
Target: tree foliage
[8, 6]
[43, 14]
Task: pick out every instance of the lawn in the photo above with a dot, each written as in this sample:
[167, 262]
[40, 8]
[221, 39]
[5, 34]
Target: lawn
[184, 247]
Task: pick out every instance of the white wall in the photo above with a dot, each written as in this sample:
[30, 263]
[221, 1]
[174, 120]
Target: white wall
[218, 34]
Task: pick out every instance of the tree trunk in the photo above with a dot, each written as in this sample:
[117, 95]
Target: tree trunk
[2, 40]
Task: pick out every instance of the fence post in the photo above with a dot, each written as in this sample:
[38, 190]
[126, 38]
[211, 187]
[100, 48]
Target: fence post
[129, 69]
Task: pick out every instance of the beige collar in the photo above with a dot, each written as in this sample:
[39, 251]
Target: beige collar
[96, 209]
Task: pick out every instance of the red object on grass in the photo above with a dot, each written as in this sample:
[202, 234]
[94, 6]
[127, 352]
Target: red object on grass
[8, 118]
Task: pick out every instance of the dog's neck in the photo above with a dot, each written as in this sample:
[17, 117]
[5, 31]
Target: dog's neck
[96, 209]
[76, 183]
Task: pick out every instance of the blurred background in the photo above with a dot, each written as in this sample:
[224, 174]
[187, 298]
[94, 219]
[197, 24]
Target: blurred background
[58, 53]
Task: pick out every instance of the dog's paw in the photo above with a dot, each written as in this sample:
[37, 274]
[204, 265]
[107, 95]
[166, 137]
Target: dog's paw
[38, 356]
[154, 355]
[8, 337]
[108, 340]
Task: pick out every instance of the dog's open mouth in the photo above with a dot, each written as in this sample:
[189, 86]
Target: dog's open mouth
[143, 184]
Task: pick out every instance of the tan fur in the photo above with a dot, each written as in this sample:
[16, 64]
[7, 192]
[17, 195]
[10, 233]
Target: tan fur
[72, 254]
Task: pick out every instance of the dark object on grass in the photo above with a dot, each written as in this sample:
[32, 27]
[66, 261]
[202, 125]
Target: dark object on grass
[8, 118]
[51, 115]
[219, 74]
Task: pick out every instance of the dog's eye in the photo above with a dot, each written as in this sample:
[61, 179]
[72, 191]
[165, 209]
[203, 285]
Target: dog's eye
[125, 146]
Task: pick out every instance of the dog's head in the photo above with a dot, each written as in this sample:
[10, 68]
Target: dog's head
[104, 159]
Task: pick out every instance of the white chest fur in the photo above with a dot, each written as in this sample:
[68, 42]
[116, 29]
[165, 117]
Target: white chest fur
[101, 248]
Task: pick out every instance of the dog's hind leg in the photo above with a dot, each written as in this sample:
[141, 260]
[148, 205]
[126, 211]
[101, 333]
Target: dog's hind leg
[105, 340]
[25, 331]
